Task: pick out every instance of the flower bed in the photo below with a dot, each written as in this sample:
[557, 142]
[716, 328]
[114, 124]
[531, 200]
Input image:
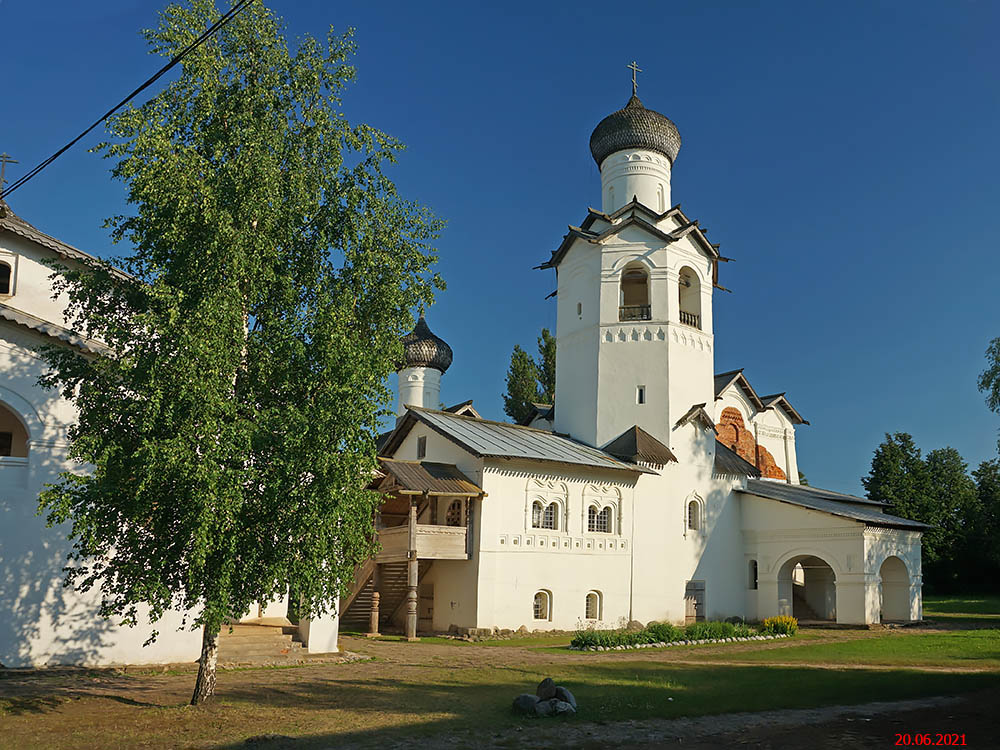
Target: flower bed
[661, 635]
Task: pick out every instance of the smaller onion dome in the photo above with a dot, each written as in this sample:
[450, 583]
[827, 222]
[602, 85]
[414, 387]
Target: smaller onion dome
[421, 348]
[634, 126]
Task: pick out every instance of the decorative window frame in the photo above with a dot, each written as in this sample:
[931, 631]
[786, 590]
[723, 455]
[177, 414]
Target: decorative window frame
[546, 492]
[602, 496]
[694, 497]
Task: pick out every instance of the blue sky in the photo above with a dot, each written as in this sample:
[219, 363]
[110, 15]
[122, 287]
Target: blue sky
[844, 154]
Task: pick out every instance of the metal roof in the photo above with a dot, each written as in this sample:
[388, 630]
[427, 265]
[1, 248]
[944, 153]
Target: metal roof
[421, 348]
[779, 400]
[50, 329]
[635, 444]
[487, 439]
[827, 501]
[634, 126]
[730, 463]
[418, 477]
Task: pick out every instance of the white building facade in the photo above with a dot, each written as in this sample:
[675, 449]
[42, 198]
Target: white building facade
[654, 488]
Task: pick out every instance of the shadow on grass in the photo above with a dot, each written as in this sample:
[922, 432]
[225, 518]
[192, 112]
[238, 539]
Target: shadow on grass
[376, 711]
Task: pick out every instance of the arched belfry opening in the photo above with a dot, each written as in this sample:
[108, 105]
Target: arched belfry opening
[633, 300]
[807, 589]
[13, 435]
[690, 297]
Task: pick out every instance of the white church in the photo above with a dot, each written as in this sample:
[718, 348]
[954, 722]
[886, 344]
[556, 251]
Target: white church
[653, 488]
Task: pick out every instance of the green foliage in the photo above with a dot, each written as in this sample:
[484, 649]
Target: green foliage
[663, 633]
[531, 381]
[935, 490]
[546, 366]
[986, 529]
[989, 379]
[521, 386]
[781, 625]
[224, 437]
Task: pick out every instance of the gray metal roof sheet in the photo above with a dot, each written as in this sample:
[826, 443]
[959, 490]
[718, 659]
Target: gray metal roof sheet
[827, 501]
[500, 440]
[428, 476]
[730, 463]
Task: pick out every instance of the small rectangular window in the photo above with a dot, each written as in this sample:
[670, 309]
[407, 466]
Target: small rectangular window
[640, 394]
[421, 447]
[6, 443]
[4, 278]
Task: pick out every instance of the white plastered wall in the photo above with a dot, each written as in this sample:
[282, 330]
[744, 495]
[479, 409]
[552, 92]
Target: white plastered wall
[43, 622]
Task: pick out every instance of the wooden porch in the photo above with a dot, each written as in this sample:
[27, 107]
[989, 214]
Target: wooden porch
[427, 513]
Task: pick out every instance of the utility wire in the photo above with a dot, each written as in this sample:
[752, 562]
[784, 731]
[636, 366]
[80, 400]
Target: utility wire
[223, 20]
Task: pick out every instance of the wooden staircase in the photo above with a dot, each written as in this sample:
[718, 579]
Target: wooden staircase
[356, 609]
[270, 639]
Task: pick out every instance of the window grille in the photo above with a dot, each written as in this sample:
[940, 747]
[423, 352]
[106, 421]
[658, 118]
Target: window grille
[593, 606]
[599, 521]
[541, 606]
[694, 522]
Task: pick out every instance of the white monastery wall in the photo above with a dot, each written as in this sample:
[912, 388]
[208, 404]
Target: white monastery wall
[517, 560]
[776, 433]
[576, 353]
[43, 622]
[30, 284]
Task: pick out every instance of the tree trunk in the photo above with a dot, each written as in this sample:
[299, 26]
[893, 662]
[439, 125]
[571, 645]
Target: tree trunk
[204, 687]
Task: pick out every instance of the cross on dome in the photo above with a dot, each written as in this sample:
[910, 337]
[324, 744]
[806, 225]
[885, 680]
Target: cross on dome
[634, 67]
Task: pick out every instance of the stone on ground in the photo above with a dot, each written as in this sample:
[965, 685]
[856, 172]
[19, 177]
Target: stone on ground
[546, 689]
[525, 703]
[566, 696]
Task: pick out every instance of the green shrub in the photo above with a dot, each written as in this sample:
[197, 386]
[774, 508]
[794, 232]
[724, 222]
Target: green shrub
[698, 631]
[661, 632]
[782, 625]
[664, 632]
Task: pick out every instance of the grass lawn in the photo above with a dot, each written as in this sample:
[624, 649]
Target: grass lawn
[960, 648]
[446, 693]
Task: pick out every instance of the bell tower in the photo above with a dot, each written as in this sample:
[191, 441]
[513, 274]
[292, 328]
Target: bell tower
[634, 297]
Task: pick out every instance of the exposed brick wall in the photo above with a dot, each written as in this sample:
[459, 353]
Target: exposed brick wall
[733, 433]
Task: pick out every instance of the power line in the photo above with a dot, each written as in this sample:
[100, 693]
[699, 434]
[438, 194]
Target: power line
[223, 20]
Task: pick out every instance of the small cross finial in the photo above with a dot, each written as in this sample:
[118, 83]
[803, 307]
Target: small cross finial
[634, 67]
[4, 161]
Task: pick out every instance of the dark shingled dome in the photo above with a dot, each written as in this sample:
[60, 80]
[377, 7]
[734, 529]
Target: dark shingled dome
[421, 348]
[634, 126]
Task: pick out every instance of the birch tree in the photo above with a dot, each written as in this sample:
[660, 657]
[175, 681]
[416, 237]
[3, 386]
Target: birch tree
[226, 437]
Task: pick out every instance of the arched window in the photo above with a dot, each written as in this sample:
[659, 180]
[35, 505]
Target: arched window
[599, 521]
[542, 605]
[13, 436]
[544, 516]
[690, 297]
[694, 515]
[634, 293]
[593, 606]
[752, 582]
[4, 278]
[453, 517]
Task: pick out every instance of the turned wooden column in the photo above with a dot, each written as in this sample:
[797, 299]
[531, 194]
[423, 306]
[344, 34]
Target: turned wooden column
[376, 596]
[412, 576]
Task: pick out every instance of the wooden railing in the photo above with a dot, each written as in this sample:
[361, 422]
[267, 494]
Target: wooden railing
[634, 312]
[433, 542]
[690, 319]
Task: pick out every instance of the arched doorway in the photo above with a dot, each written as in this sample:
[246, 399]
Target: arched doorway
[895, 590]
[807, 589]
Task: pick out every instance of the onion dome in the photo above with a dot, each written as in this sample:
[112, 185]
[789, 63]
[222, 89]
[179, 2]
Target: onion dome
[421, 348]
[634, 126]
